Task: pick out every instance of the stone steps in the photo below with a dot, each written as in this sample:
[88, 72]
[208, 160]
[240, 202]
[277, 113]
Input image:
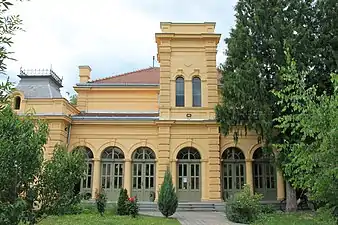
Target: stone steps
[185, 206]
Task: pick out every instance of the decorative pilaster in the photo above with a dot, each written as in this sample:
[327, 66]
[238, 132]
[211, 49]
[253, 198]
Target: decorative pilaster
[249, 175]
[214, 167]
[173, 171]
[127, 175]
[96, 176]
[205, 180]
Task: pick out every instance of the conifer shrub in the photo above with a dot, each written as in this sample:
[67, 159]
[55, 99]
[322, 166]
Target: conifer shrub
[122, 203]
[167, 198]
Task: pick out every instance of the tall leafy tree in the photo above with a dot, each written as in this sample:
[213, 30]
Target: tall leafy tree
[255, 54]
[22, 142]
[9, 25]
[312, 163]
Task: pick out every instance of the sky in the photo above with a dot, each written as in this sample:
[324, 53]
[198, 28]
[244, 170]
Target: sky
[111, 36]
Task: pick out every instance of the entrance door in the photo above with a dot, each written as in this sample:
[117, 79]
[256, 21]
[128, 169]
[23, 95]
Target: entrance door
[233, 178]
[264, 175]
[189, 175]
[112, 179]
[143, 180]
[233, 171]
[189, 181]
[112, 171]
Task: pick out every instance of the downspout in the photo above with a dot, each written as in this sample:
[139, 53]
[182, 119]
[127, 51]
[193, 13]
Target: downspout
[68, 134]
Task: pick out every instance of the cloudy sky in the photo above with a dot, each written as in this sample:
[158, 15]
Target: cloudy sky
[111, 36]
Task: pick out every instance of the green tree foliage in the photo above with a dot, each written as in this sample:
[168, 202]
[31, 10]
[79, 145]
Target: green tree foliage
[57, 181]
[122, 207]
[73, 99]
[313, 159]
[9, 25]
[167, 198]
[22, 141]
[255, 54]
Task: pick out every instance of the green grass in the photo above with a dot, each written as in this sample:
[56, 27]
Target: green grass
[295, 219]
[91, 218]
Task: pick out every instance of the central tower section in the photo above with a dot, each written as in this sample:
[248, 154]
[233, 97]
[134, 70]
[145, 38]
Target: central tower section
[188, 74]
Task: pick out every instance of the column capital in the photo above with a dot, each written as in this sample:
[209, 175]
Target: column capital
[127, 160]
[96, 159]
[248, 160]
[173, 160]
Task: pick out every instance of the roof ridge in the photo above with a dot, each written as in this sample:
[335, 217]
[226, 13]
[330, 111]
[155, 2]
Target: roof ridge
[124, 74]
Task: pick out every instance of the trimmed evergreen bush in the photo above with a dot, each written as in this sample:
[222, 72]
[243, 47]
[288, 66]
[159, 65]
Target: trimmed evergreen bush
[122, 203]
[167, 198]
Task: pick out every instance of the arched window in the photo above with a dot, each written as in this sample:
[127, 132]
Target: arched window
[180, 92]
[86, 182]
[196, 92]
[17, 103]
[233, 170]
[112, 171]
[264, 174]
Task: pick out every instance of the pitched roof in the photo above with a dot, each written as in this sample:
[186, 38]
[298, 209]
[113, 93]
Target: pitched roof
[149, 75]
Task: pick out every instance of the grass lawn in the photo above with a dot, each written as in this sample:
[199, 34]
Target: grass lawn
[294, 219]
[92, 218]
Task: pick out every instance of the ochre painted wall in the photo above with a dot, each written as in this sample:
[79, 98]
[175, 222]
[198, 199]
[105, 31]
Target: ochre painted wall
[118, 99]
[190, 52]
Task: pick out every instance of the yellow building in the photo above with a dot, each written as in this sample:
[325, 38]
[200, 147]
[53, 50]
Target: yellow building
[136, 125]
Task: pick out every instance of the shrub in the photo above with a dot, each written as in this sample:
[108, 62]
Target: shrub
[167, 198]
[101, 201]
[58, 179]
[243, 207]
[122, 203]
[132, 206]
[267, 209]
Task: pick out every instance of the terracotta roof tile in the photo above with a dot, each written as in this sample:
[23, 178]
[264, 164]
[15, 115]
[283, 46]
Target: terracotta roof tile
[149, 75]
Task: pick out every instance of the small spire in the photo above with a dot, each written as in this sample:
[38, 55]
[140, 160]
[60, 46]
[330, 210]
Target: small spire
[153, 61]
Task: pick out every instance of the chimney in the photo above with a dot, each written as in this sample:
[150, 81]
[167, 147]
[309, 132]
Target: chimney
[84, 73]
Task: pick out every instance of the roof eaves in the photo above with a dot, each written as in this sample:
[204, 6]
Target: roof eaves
[115, 85]
[113, 118]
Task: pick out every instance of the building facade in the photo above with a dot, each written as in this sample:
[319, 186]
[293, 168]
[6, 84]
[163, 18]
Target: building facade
[136, 125]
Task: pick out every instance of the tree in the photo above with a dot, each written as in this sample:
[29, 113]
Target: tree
[57, 181]
[255, 54]
[9, 25]
[315, 118]
[22, 141]
[73, 99]
[167, 198]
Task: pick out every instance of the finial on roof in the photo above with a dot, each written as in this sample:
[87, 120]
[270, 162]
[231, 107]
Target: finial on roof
[153, 61]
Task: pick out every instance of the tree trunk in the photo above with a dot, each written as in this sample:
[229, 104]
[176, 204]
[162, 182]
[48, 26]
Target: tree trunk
[291, 198]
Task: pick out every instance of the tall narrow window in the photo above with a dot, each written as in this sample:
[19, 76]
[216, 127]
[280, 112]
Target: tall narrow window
[17, 102]
[179, 92]
[196, 92]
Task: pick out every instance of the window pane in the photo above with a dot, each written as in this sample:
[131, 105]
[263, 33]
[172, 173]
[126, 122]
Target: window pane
[196, 92]
[179, 91]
